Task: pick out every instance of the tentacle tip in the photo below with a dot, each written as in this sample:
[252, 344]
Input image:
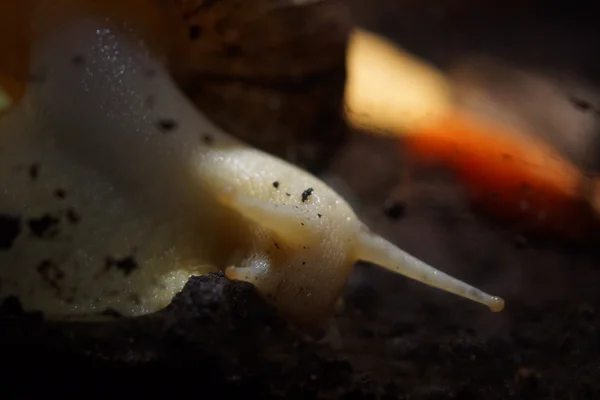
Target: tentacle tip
[233, 273]
[496, 304]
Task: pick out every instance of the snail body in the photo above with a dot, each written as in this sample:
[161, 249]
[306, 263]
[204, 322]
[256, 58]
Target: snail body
[116, 189]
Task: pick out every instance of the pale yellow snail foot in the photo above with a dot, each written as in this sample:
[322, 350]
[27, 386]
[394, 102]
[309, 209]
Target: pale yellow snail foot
[254, 274]
[235, 274]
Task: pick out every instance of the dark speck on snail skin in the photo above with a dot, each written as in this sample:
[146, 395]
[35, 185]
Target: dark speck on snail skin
[44, 226]
[207, 139]
[319, 215]
[78, 60]
[34, 171]
[394, 210]
[276, 184]
[166, 125]
[60, 194]
[126, 264]
[306, 194]
[50, 272]
[10, 229]
[72, 216]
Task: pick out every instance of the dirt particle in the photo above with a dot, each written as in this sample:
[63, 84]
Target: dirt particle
[45, 226]
[319, 215]
[10, 229]
[306, 194]
[126, 264]
[78, 60]
[394, 209]
[60, 194]
[276, 184]
[34, 171]
[72, 216]
[50, 273]
[166, 125]
[207, 139]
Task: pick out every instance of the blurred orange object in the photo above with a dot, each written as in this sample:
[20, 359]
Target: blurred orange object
[513, 176]
[517, 179]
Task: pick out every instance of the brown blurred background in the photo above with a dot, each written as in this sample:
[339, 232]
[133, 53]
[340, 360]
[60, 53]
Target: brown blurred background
[528, 59]
[532, 63]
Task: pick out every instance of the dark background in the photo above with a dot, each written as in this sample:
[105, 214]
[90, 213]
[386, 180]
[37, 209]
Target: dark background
[401, 339]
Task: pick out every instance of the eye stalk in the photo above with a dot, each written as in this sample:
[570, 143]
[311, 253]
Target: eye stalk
[375, 249]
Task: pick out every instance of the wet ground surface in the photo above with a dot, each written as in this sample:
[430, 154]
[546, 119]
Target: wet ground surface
[401, 340]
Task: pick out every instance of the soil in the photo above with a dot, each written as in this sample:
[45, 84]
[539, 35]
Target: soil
[401, 340]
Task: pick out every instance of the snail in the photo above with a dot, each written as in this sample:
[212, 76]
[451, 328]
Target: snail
[116, 189]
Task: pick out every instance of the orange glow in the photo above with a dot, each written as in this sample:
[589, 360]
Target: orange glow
[512, 176]
[519, 180]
